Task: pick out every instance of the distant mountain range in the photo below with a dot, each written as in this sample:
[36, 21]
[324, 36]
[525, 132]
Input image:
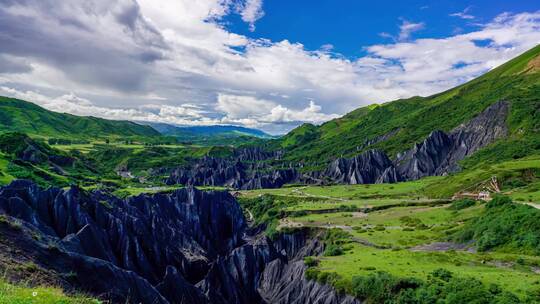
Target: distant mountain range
[215, 134]
[26, 117]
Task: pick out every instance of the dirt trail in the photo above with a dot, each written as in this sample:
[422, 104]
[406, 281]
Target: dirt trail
[534, 205]
[302, 193]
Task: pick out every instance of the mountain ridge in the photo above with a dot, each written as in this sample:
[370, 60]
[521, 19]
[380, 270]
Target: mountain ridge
[398, 124]
[23, 116]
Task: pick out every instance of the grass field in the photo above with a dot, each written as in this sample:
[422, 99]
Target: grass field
[407, 229]
[508, 170]
[404, 263]
[5, 177]
[15, 294]
[400, 227]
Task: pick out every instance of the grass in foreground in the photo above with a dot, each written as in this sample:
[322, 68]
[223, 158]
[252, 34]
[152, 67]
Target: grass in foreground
[16, 294]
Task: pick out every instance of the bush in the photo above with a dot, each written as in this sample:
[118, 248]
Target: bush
[381, 287]
[312, 273]
[311, 261]
[333, 250]
[504, 224]
[462, 204]
[442, 287]
[327, 277]
[442, 274]
[498, 201]
[413, 222]
[379, 228]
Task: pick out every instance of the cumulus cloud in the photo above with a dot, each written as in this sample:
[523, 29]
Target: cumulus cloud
[260, 112]
[251, 11]
[175, 61]
[73, 104]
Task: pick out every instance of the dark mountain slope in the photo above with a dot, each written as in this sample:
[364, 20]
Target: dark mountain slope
[26, 117]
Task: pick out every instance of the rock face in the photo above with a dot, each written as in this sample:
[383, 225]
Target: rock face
[370, 167]
[274, 274]
[440, 153]
[246, 170]
[184, 247]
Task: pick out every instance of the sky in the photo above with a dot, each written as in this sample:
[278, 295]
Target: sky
[266, 64]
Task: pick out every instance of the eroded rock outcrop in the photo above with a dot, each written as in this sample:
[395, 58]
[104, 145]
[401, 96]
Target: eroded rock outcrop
[274, 273]
[246, 170]
[440, 152]
[183, 247]
[370, 167]
[158, 237]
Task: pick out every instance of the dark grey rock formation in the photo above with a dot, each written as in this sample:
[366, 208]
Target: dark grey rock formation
[370, 167]
[274, 273]
[440, 153]
[144, 236]
[284, 283]
[246, 170]
[186, 247]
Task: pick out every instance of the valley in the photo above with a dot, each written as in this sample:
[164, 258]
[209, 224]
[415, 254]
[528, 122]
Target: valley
[422, 200]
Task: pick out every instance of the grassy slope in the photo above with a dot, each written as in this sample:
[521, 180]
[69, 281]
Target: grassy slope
[10, 293]
[22, 116]
[416, 117]
[391, 229]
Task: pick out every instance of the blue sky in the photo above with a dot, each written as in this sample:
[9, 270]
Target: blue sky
[351, 25]
[267, 64]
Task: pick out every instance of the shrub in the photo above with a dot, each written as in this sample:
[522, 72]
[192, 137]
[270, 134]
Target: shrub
[327, 277]
[333, 250]
[311, 261]
[462, 204]
[379, 228]
[504, 224]
[442, 274]
[381, 287]
[498, 201]
[413, 222]
[312, 273]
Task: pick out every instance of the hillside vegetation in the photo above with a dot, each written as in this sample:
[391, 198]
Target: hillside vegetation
[396, 126]
[21, 116]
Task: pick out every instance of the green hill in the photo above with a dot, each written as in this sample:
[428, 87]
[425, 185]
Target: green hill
[21, 116]
[395, 126]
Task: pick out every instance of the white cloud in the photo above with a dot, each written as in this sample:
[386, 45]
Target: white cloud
[236, 107]
[260, 112]
[407, 28]
[327, 47]
[140, 57]
[310, 114]
[251, 11]
[463, 14]
[72, 104]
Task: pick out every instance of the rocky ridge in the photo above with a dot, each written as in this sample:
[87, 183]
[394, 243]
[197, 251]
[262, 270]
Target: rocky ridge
[183, 247]
[438, 154]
